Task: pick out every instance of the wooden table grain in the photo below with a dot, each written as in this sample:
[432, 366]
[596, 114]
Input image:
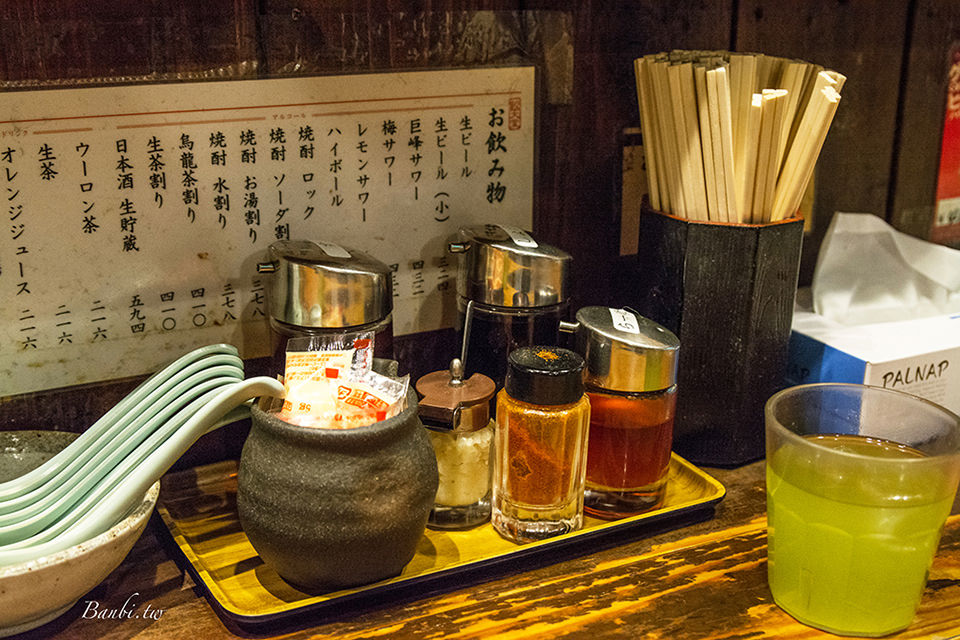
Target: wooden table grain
[706, 580]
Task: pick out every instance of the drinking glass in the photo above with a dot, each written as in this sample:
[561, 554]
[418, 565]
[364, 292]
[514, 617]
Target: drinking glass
[860, 481]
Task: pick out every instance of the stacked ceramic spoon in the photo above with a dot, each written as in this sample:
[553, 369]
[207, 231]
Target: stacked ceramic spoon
[732, 137]
[86, 488]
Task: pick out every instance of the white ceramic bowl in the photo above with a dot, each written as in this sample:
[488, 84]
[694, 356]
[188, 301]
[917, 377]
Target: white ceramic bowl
[36, 592]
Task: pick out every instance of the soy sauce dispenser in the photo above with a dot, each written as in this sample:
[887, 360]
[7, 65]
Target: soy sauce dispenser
[512, 291]
[321, 288]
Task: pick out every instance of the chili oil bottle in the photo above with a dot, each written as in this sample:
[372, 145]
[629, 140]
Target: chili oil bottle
[630, 378]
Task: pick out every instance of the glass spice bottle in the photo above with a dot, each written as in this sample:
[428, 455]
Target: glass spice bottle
[541, 445]
[456, 413]
[630, 378]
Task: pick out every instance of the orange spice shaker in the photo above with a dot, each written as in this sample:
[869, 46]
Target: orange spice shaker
[541, 445]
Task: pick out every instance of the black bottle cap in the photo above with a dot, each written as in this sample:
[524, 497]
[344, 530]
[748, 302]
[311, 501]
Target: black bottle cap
[544, 375]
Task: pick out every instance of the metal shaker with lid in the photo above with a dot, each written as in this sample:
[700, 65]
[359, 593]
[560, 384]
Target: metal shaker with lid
[512, 291]
[630, 376]
[456, 412]
[321, 288]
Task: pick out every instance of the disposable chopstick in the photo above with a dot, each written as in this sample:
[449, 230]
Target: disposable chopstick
[778, 67]
[664, 168]
[694, 145]
[747, 86]
[764, 72]
[706, 141]
[764, 146]
[838, 79]
[801, 165]
[747, 171]
[726, 140]
[667, 135]
[716, 141]
[650, 144]
[739, 98]
[810, 73]
[774, 101]
[827, 79]
[805, 172]
[688, 171]
[749, 83]
[792, 81]
[741, 106]
[738, 95]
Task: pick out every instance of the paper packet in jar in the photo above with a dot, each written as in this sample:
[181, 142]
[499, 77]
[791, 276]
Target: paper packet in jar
[308, 354]
[311, 361]
[356, 399]
[369, 397]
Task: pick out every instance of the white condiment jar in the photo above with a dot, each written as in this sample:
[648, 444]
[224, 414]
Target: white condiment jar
[456, 413]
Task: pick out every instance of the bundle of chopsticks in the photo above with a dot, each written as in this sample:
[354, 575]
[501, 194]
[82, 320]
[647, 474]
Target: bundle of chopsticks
[732, 137]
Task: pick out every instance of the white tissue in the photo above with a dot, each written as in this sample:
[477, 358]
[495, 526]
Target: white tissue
[868, 272]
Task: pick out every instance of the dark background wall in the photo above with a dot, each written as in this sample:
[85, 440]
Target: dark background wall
[880, 157]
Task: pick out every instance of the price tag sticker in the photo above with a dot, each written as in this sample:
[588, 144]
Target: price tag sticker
[624, 321]
[520, 237]
[333, 250]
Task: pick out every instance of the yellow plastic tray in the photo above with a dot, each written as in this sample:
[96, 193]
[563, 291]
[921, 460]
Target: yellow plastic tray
[199, 508]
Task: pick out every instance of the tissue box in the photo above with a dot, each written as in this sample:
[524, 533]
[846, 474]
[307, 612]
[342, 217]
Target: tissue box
[920, 356]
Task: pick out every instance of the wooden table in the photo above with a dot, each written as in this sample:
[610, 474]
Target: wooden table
[706, 580]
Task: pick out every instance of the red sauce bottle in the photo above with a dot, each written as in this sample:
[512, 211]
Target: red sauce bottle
[630, 378]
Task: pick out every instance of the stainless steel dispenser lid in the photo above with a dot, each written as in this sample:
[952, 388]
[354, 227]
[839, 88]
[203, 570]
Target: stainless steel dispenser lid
[625, 351]
[506, 267]
[324, 285]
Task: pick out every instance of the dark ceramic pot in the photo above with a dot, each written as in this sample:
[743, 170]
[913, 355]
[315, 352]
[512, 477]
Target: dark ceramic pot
[329, 509]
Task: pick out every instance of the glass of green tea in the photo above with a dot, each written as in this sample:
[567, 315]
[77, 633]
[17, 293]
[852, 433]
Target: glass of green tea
[860, 481]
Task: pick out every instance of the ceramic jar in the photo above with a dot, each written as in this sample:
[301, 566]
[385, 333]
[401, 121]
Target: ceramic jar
[330, 509]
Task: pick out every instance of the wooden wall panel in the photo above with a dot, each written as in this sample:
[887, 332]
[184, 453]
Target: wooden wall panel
[80, 42]
[580, 158]
[936, 25]
[318, 36]
[864, 40]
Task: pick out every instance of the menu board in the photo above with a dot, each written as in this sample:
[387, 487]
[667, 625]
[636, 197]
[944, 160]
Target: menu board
[137, 214]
